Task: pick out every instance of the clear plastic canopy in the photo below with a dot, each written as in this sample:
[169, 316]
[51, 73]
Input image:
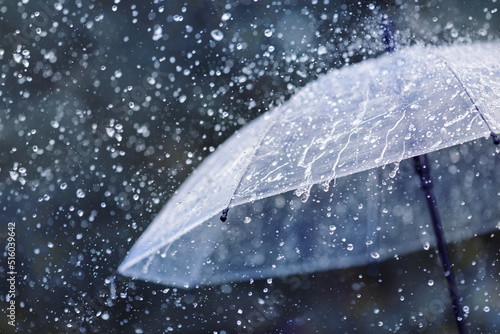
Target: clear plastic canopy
[356, 119]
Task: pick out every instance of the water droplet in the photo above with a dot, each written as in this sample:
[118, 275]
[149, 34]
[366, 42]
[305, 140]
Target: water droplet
[217, 35]
[80, 193]
[247, 220]
[394, 171]
[350, 247]
[486, 309]
[158, 32]
[14, 175]
[430, 282]
[226, 288]
[303, 192]
[427, 246]
[326, 186]
[268, 33]
[375, 255]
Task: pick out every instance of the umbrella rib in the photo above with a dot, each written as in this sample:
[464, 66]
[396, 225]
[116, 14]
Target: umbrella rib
[494, 136]
[223, 216]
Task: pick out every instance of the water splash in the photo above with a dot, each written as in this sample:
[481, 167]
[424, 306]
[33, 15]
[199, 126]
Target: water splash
[326, 186]
[303, 192]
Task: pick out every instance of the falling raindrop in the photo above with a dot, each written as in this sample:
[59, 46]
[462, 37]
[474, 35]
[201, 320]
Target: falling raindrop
[80, 193]
[226, 289]
[158, 32]
[217, 35]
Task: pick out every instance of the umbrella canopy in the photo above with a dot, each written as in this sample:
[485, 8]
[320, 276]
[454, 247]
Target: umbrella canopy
[347, 123]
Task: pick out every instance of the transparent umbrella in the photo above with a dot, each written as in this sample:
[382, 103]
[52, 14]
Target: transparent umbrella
[348, 133]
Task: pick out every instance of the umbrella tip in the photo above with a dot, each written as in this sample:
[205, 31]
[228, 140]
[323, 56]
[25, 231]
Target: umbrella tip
[223, 217]
[496, 139]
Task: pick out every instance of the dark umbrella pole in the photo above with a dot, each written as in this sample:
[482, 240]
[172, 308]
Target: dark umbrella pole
[423, 169]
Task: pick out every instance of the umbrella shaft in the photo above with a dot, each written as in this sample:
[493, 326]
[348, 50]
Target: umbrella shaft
[422, 167]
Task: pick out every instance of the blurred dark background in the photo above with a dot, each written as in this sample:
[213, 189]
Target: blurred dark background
[107, 106]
